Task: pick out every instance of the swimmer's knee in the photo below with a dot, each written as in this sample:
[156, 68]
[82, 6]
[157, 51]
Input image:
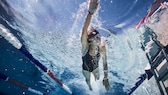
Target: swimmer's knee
[96, 75]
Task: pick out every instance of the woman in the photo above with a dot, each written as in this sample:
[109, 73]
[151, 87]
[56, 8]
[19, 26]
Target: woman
[92, 49]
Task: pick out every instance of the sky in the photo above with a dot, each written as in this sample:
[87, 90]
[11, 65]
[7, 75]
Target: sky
[123, 13]
[113, 14]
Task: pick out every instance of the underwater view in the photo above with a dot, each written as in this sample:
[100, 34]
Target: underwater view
[40, 46]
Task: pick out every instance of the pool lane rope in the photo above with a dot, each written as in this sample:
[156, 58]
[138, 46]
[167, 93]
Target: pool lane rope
[17, 44]
[6, 78]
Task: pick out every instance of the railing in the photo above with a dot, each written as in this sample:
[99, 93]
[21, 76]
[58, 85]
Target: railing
[159, 64]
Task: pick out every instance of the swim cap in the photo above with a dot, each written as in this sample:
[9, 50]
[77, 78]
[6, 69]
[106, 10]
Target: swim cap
[92, 34]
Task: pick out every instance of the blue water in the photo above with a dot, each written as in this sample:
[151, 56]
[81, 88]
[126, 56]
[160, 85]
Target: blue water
[50, 31]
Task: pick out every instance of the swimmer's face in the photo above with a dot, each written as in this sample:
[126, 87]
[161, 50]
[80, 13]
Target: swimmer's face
[96, 39]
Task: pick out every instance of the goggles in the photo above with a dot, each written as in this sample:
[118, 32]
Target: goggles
[98, 37]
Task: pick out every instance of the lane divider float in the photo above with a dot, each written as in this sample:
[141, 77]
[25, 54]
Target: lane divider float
[17, 44]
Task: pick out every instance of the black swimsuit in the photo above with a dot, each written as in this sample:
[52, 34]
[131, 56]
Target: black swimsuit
[90, 63]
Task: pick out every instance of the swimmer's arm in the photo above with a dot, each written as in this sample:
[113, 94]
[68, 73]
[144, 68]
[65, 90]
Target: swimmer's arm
[84, 35]
[104, 57]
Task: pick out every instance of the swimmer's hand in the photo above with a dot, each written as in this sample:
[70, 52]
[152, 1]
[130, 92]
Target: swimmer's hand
[93, 4]
[106, 83]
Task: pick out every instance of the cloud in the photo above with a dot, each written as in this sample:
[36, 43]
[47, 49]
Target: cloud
[120, 25]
